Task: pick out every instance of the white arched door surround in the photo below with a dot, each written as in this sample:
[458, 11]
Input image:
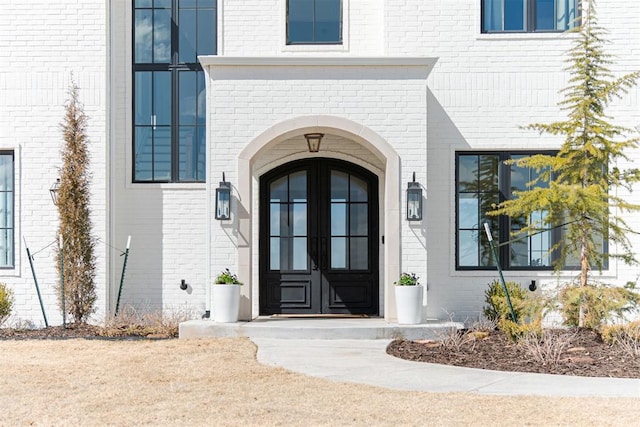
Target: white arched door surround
[247, 195]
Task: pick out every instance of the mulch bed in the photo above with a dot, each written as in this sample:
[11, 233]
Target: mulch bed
[74, 330]
[586, 355]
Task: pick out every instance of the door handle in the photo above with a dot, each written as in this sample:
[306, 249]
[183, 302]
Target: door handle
[314, 253]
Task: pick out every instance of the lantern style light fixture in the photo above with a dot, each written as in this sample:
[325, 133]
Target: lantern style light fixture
[313, 141]
[414, 200]
[223, 200]
[54, 191]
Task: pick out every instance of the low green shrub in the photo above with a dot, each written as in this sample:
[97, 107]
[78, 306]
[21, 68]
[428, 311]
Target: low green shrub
[6, 302]
[496, 307]
[527, 308]
[611, 334]
[601, 303]
[626, 336]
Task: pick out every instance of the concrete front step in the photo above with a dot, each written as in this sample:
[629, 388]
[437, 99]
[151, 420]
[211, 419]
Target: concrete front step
[310, 328]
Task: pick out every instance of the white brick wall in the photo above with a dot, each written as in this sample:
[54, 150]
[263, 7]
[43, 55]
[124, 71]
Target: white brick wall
[41, 44]
[482, 89]
[166, 222]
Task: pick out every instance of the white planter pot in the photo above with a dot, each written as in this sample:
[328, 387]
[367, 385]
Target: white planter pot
[226, 302]
[409, 304]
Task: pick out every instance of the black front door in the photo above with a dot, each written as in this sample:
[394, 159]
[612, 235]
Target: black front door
[319, 239]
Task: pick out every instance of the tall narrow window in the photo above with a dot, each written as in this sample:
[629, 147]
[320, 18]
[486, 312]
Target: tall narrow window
[529, 15]
[169, 89]
[314, 21]
[6, 209]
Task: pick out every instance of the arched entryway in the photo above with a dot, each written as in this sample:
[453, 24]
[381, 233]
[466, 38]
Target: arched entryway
[319, 239]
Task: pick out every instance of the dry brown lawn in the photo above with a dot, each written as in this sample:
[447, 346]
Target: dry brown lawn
[219, 382]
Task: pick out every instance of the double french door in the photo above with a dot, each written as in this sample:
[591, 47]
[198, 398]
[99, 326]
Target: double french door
[319, 239]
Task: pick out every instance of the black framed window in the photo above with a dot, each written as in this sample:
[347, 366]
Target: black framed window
[7, 205]
[500, 16]
[483, 180]
[314, 21]
[169, 88]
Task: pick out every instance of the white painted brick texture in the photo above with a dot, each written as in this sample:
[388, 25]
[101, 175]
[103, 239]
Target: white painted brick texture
[41, 44]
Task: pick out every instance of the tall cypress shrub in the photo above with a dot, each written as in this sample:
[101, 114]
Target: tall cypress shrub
[73, 206]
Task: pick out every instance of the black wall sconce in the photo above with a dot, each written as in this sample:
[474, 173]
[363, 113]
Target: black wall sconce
[313, 141]
[54, 191]
[223, 199]
[414, 200]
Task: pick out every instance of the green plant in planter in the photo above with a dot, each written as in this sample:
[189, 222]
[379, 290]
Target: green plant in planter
[6, 302]
[407, 279]
[227, 278]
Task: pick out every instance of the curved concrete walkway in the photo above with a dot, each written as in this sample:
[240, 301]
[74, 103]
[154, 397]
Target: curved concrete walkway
[366, 362]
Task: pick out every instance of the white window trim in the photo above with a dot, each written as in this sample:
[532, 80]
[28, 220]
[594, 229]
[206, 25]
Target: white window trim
[15, 270]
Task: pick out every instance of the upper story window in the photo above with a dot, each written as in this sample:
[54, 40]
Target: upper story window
[482, 180]
[314, 21]
[169, 89]
[529, 15]
[7, 198]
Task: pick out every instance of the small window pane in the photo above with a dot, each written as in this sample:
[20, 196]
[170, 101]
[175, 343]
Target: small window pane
[143, 34]
[327, 21]
[468, 173]
[6, 209]
[358, 220]
[6, 172]
[274, 253]
[162, 97]
[338, 219]
[299, 214]
[339, 186]
[278, 191]
[359, 253]
[338, 252]
[143, 154]
[298, 187]
[300, 21]
[143, 98]
[188, 97]
[358, 190]
[514, 15]
[468, 211]
[519, 253]
[274, 219]
[285, 230]
[299, 253]
[545, 15]
[468, 248]
[207, 30]
[486, 253]
[201, 99]
[488, 202]
[488, 173]
[162, 35]
[191, 153]
[187, 35]
[162, 153]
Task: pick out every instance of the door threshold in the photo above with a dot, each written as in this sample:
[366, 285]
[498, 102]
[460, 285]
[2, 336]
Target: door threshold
[319, 316]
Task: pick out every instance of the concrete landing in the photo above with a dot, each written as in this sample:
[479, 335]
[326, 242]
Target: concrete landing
[315, 328]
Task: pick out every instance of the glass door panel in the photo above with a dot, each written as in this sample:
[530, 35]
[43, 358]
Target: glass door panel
[349, 222]
[288, 224]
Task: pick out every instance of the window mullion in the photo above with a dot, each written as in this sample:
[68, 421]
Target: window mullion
[504, 222]
[174, 89]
